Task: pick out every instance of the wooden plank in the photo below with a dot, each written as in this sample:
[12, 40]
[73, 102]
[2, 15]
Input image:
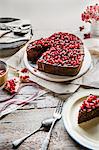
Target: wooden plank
[21, 123]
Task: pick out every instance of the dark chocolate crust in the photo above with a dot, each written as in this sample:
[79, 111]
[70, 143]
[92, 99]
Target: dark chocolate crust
[86, 116]
[35, 51]
[59, 70]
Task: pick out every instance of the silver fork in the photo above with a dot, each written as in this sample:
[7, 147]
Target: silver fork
[57, 116]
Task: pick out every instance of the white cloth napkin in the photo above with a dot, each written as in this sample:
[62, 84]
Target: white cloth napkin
[10, 37]
[91, 78]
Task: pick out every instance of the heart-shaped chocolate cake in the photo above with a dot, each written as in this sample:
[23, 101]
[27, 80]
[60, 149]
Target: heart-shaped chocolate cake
[60, 54]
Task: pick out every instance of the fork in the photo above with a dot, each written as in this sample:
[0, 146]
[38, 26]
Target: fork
[56, 116]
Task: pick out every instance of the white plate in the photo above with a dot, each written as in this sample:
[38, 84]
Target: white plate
[56, 78]
[86, 134]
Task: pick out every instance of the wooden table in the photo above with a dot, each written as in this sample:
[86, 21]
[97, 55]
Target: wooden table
[47, 16]
[28, 118]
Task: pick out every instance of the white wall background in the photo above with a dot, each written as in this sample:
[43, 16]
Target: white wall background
[47, 14]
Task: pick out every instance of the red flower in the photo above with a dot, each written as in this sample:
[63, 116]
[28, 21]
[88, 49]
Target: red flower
[91, 14]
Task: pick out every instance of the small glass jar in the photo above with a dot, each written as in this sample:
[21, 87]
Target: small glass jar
[95, 28]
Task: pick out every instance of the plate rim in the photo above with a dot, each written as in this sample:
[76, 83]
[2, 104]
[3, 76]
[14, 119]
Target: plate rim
[8, 19]
[32, 70]
[74, 135]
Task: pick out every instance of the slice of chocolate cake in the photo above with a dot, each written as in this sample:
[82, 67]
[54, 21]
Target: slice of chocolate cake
[89, 109]
[36, 48]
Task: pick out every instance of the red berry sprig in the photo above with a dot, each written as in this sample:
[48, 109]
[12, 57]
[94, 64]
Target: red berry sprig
[91, 14]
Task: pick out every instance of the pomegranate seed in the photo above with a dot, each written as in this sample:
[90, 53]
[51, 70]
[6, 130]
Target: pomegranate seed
[81, 28]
